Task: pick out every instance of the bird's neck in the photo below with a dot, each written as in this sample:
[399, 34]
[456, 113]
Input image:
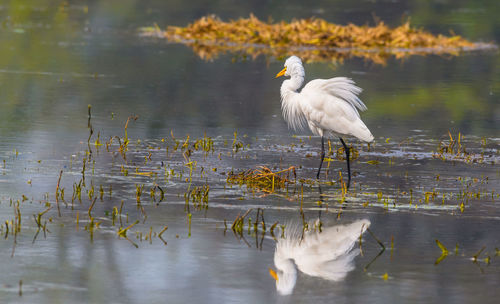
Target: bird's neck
[290, 102]
[284, 256]
[287, 266]
[292, 85]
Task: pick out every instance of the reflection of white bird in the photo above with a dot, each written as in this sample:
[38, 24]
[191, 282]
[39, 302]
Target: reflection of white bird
[328, 106]
[328, 254]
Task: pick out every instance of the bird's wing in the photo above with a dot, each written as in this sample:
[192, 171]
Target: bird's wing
[334, 241]
[332, 105]
[341, 87]
[333, 270]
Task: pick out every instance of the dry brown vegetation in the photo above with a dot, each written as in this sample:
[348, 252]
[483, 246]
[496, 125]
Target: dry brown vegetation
[263, 179]
[312, 39]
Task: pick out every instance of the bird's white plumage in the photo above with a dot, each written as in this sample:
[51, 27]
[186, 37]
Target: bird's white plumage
[327, 106]
[328, 254]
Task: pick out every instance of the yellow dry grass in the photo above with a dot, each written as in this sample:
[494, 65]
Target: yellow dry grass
[312, 39]
[263, 179]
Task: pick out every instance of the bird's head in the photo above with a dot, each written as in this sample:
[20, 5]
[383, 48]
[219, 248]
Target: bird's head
[293, 67]
[285, 274]
[285, 282]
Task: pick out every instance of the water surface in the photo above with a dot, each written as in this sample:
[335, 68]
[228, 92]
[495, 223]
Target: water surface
[57, 60]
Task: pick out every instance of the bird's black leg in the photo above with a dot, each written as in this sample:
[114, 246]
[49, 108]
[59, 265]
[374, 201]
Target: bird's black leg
[347, 150]
[322, 155]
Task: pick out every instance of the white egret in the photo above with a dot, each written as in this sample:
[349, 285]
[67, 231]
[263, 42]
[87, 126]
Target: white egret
[328, 106]
[328, 254]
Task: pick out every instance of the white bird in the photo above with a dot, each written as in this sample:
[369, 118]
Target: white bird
[328, 106]
[328, 254]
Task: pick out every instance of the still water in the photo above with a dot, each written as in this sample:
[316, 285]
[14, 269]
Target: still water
[57, 58]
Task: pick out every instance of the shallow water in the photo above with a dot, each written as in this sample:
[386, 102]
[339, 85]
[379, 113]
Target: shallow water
[55, 61]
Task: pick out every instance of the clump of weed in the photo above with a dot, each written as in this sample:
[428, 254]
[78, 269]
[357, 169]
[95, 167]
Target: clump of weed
[264, 179]
[313, 39]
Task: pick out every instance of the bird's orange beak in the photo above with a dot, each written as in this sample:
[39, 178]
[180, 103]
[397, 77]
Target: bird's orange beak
[271, 271]
[281, 73]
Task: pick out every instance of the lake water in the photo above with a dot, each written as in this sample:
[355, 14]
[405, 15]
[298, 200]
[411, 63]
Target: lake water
[57, 58]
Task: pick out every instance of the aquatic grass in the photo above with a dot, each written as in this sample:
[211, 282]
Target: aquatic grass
[382, 249]
[475, 257]
[199, 196]
[238, 227]
[57, 193]
[161, 233]
[205, 144]
[199, 156]
[91, 207]
[138, 192]
[264, 179]
[91, 226]
[444, 252]
[353, 155]
[77, 191]
[38, 221]
[271, 230]
[455, 150]
[189, 216]
[90, 192]
[122, 232]
[101, 192]
[237, 144]
[123, 145]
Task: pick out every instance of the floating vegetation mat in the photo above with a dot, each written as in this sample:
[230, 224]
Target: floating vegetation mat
[311, 39]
